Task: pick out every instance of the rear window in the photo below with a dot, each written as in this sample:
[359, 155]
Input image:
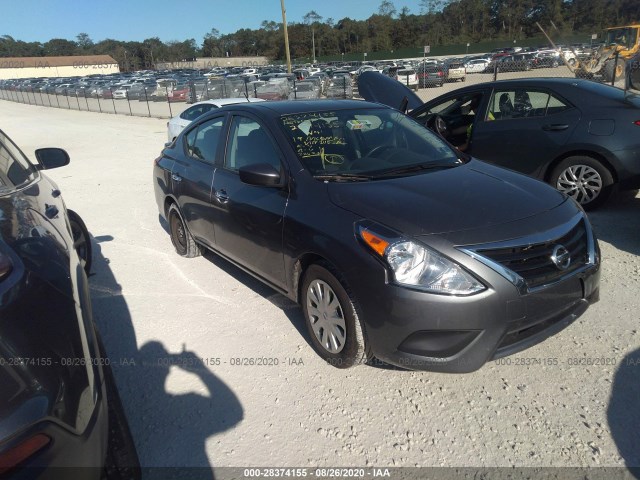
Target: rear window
[15, 170]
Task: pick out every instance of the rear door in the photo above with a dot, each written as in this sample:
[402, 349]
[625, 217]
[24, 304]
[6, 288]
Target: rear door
[524, 129]
[192, 175]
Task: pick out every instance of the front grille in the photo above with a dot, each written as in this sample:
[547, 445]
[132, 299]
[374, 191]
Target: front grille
[533, 262]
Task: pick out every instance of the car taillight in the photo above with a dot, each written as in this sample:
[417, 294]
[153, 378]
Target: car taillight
[440, 74]
[637, 122]
[14, 457]
[5, 266]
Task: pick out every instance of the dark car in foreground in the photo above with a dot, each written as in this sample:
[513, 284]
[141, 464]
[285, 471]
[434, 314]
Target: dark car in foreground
[60, 413]
[397, 245]
[580, 136]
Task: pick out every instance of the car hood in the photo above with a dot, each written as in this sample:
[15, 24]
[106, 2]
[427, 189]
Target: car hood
[472, 196]
[376, 87]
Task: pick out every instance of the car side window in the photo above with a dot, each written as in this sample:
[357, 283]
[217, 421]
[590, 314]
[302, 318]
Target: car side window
[249, 143]
[195, 111]
[556, 105]
[517, 103]
[202, 141]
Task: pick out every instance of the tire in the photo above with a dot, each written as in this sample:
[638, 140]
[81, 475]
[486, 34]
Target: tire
[81, 240]
[598, 180]
[554, 64]
[611, 73]
[348, 347]
[181, 238]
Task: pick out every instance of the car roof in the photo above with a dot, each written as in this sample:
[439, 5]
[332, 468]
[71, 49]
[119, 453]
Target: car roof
[288, 107]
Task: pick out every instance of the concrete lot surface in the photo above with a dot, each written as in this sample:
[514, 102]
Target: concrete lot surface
[572, 401]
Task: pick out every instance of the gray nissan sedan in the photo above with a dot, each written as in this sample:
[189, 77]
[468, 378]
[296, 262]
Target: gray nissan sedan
[397, 245]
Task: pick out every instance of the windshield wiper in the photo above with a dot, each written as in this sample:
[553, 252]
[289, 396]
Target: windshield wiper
[343, 176]
[416, 168]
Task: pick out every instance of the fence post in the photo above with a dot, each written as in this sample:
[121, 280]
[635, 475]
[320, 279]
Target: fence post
[615, 67]
[85, 100]
[246, 86]
[98, 99]
[295, 91]
[146, 99]
[255, 91]
[66, 94]
[57, 99]
[78, 100]
[127, 95]
[113, 100]
[166, 89]
[495, 71]
[344, 87]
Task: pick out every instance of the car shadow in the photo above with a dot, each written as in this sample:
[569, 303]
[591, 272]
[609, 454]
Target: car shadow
[623, 412]
[290, 308]
[170, 430]
[618, 222]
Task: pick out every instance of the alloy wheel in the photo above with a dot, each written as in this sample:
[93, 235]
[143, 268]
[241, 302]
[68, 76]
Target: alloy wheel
[581, 182]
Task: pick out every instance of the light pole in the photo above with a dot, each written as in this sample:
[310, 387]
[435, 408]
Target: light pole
[313, 43]
[342, 53]
[286, 36]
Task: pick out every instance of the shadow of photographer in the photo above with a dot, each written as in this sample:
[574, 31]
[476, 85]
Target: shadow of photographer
[170, 429]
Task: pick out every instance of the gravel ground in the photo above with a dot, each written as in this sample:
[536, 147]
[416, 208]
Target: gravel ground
[547, 406]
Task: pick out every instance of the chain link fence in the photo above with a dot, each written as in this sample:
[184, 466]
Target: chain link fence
[169, 97]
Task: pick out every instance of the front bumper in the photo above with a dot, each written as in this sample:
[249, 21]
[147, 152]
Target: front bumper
[422, 331]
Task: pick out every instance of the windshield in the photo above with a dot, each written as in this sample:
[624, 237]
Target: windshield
[625, 36]
[363, 142]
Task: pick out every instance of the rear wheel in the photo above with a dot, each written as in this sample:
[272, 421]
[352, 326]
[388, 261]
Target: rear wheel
[332, 319]
[182, 240]
[584, 179]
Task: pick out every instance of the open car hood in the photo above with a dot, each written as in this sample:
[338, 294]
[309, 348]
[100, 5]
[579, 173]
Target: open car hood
[376, 87]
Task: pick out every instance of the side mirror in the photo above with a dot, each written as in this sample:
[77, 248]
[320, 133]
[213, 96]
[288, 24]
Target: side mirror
[260, 174]
[49, 158]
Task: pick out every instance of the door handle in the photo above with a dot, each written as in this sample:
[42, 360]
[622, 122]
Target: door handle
[555, 127]
[175, 177]
[222, 196]
[51, 211]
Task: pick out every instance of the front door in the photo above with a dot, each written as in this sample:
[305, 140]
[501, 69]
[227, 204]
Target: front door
[249, 219]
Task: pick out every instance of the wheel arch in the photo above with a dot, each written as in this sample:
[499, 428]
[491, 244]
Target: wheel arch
[301, 265]
[168, 201]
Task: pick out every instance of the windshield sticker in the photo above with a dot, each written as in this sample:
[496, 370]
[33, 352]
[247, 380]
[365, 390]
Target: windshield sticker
[359, 125]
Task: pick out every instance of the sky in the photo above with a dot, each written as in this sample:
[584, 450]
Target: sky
[135, 20]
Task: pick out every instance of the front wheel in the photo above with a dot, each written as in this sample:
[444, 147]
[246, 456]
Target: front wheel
[332, 319]
[584, 179]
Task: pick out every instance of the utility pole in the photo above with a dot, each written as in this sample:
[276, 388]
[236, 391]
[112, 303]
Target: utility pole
[286, 36]
[313, 43]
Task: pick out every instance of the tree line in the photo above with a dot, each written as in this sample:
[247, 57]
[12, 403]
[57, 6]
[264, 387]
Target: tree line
[439, 22]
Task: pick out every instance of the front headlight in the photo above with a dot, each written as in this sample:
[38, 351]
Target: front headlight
[420, 267]
[417, 266]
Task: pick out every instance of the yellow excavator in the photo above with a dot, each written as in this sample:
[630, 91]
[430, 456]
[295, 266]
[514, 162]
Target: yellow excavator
[609, 60]
[620, 42]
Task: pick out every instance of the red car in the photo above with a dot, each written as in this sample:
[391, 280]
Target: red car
[179, 93]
